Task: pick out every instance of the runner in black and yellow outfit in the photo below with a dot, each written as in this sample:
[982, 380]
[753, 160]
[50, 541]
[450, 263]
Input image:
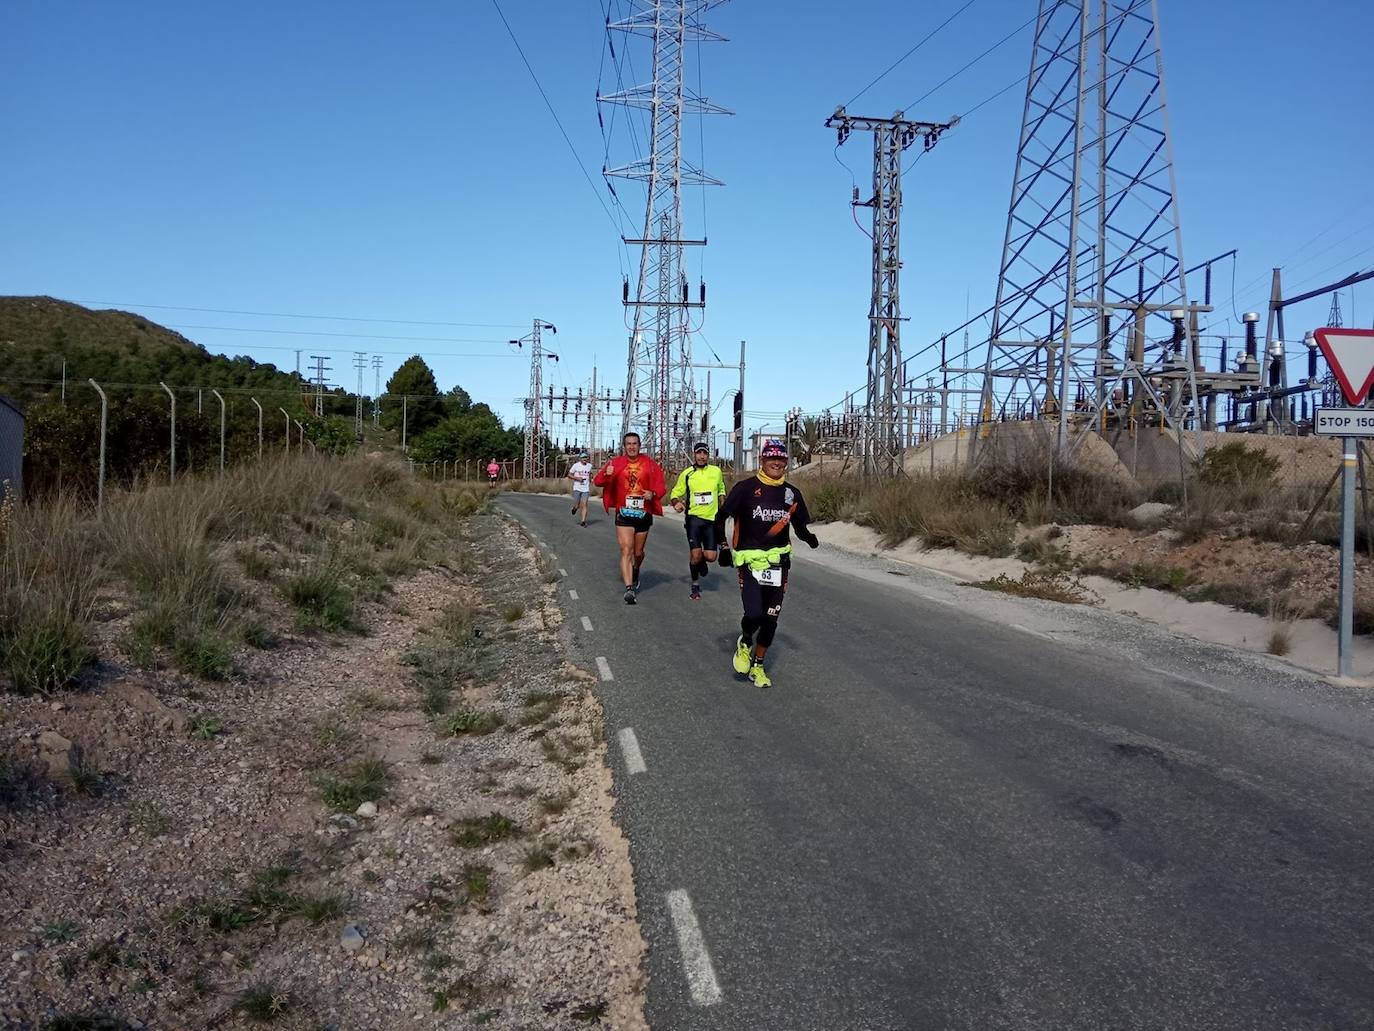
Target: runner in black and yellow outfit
[699, 489]
[765, 508]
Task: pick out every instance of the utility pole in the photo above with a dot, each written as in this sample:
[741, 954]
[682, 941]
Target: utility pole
[376, 390]
[318, 380]
[882, 436]
[359, 363]
[659, 360]
[535, 452]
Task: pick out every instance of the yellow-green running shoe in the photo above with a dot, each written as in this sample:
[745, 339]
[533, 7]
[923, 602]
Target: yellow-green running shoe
[758, 676]
[742, 656]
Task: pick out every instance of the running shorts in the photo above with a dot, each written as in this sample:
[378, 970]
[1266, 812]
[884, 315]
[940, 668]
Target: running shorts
[701, 533]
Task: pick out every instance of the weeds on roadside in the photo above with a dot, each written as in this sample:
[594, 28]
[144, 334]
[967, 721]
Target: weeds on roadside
[468, 721]
[205, 727]
[263, 1003]
[321, 599]
[365, 781]
[1048, 586]
[479, 831]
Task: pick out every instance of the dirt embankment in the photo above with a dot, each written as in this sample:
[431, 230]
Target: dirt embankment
[406, 827]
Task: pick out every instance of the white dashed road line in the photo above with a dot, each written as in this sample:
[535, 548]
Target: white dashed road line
[572, 595]
[586, 624]
[604, 668]
[564, 572]
[696, 961]
[629, 744]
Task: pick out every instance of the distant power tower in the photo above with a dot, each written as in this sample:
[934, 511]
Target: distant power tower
[359, 363]
[1093, 232]
[881, 439]
[376, 389]
[660, 392]
[535, 432]
[318, 381]
[1333, 317]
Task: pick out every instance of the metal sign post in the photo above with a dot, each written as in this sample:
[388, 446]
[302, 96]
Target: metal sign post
[1350, 354]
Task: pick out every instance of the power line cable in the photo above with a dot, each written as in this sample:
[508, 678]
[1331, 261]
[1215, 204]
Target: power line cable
[557, 121]
[929, 36]
[954, 75]
[293, 315]
[345, 336]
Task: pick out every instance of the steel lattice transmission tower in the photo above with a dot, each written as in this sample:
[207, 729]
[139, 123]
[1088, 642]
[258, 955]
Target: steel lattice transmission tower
[881, 433]
[660, 390]
[1093, 230]
[536, 453]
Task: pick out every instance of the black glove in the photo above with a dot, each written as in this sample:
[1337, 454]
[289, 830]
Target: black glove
[809, 538]
[726, 559]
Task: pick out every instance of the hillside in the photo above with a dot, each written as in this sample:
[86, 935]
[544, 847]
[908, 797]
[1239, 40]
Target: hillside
[117, 347]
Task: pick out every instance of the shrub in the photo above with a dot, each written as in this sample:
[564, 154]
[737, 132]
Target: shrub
[50, 569]
[1234, 464]
[322, 600]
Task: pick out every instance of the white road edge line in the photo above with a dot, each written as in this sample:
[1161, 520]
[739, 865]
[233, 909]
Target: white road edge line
[604, 668]
[696, 961]
[572, 595]
[564, 572]
[586, 624]
[634, 758]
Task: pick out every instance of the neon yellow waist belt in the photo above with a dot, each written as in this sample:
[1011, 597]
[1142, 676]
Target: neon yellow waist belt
[758, 558]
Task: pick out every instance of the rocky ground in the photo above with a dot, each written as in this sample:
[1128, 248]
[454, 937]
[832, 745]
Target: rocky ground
[405, 827]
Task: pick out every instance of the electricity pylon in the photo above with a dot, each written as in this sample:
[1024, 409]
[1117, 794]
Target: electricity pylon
[881, 443]
[535, 451]
[1093, 229]
[660, 389]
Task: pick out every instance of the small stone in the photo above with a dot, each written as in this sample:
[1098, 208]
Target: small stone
[58, 706]
[352, 939]
[20, 955]
[367, 810]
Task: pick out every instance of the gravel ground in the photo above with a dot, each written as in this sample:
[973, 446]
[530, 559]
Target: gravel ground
[202, 862]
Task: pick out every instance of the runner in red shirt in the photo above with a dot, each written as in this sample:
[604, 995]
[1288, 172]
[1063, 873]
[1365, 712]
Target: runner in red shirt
[631, 488]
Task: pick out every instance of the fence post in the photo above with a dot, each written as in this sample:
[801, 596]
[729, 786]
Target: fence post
[259, 407]
[404, 399]
[300, 446]
[104, 421]
[165, 387]
[288, 429]
[220, 398]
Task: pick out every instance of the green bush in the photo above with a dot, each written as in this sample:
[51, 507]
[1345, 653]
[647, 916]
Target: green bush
[322, 600]
[1236, 465]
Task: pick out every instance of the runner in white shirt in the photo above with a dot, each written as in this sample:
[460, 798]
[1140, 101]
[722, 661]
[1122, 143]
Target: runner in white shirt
[580, 472]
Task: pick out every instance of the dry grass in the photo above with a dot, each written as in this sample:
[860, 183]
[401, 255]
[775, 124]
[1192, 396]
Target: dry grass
[339, 528]
[1050, 586]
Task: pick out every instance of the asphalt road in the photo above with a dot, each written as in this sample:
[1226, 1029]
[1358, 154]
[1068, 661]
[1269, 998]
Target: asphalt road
[955, 810]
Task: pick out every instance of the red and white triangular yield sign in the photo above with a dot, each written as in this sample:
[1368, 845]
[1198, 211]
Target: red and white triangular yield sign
[1350, 353]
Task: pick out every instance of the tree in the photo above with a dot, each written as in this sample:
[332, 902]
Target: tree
[457, 401]
[808, 438]
[423, 407]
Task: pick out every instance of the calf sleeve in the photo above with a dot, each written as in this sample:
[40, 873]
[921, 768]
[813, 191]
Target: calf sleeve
[750, 625]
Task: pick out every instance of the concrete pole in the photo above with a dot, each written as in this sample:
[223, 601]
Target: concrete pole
[259, 407]
[220, 398]
[165, 387]
[104, 422]
[288, 429]
[404, 399]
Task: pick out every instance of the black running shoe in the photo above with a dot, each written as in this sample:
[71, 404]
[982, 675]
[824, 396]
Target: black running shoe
[629, 595]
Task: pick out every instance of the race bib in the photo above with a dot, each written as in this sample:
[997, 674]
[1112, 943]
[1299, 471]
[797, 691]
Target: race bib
[770, 577]
[702, 497]
[634, 505]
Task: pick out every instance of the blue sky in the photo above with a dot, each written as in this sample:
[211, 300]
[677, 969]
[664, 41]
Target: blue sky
[396, 162]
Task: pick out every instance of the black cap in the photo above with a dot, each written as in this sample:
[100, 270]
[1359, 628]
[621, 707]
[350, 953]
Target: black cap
[701, 445]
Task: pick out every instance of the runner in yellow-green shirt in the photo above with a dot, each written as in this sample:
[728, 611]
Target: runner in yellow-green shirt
[698, 491]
